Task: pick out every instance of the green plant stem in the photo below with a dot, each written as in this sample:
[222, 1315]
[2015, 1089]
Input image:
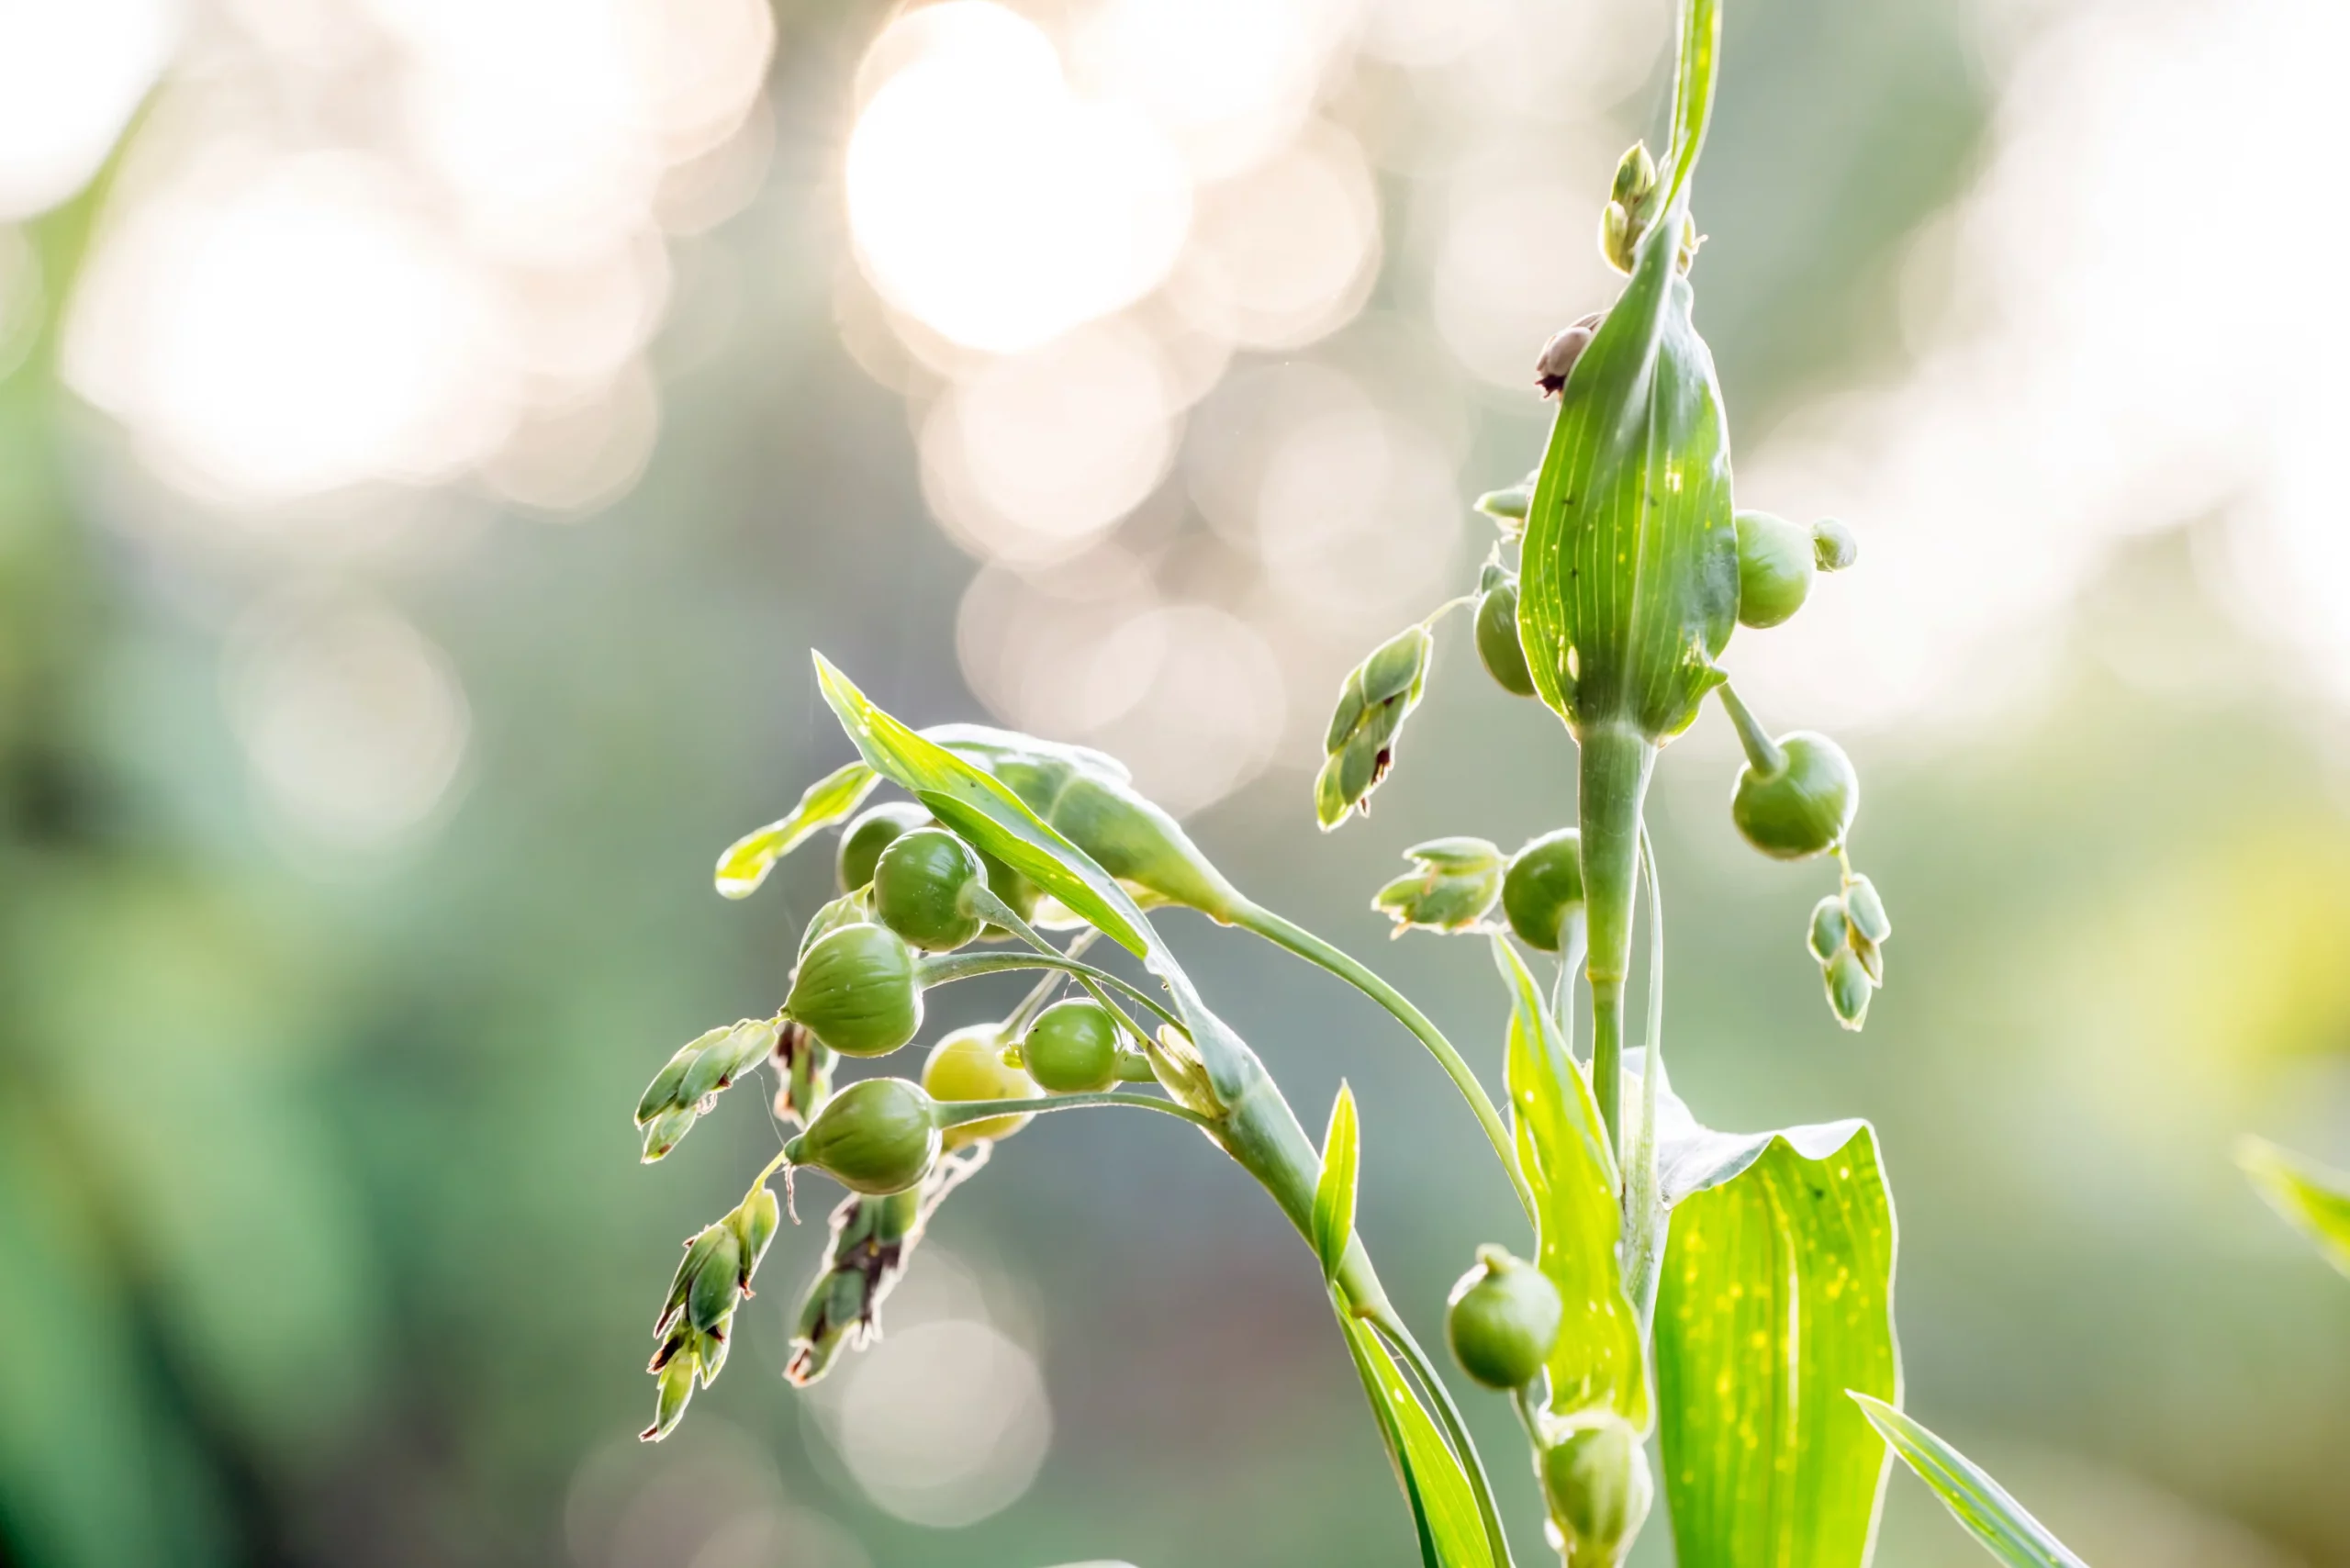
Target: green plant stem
[1287, 933]
[1616, 763]
[1644, 1216]
[964, 1111]
[1766, 754]
[1035, 1002]
[964, 966]
[1399, 1339]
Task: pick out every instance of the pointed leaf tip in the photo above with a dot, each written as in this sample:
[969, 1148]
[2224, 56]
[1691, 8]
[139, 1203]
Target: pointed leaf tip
[1334, 1195]
[2006, 1529]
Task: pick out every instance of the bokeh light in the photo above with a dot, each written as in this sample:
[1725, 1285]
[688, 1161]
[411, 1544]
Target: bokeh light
[71, 74]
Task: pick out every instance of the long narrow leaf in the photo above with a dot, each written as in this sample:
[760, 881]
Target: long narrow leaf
[749, 859]
[1333, 1197]
[1776, 1298]
[1700, 48]
[1562, 1149]
[1452, 1534]
[2007, 1531]
[2313, 1200]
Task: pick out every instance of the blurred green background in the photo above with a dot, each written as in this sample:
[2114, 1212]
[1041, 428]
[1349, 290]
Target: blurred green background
[432, 436]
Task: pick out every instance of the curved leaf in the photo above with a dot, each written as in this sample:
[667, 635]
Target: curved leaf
[1333, 1197]
[1444, 1508]
[1776, 1298]
[748, 859]
[2313, 1200]
[2007, 1531]
[1562, 1151]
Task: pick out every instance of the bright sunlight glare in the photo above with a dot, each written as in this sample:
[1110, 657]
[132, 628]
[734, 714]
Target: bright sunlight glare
[70, 73]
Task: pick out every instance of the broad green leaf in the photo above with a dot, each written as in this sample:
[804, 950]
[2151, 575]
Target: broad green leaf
[1629, 572]
[1562, 1151]
[2313, 1200]
[1333, 1197]
[749, 859]
[1444, 1508]
[1991, 1516]
[1776, 1297]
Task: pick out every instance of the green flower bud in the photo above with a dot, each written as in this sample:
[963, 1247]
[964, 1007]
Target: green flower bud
[1502, 1319]
[969, 1065]
[1833, 548]
[871, 1238]
[661, 1095]
[865, 838]
[700, 1248]
[1867, 910]
[732, 1053]
[877, 1136]
[1543, 888]
[803, 1070]
[922, 888]
[1453, 884]
[1634, 177]
[857, 990]
[755, 1224]
[1774, 569]
[717, 1284]
[1378, 694]
[1617, 237]
[1804, 808]
[1557, 360]
[1509, 507]
[1849, 988]
[1828, 927]
[676, 1388]
[661, 1133]
[1498, 648]
[1072, 1048]
[1595, 1477]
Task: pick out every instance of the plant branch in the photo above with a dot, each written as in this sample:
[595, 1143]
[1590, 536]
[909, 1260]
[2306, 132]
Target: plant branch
[1289, 935]
[962, 1110]
[964, 966]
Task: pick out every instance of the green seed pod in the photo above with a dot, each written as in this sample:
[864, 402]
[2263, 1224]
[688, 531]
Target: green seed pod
[1634, 177]
[1502, 1319]
[922, 888]
[1497, 646]
[700, 1249]
[857, 990]
[1072, 1048]
[734, 1052]
[877, 1136]
[676, 1388]
[969, 1065]
[1542, 888]
[1376, 698]
[717, 1285]
[661, 1133]
[1509, 507]
[755, 1226]
[1595, 1477]
[1849, 988]
[1774, 569]
[1867, 909]
[1833, 548]
[865, 838]
[1828, 927]
[1805, 808]
[847, 910]
[1453, 884]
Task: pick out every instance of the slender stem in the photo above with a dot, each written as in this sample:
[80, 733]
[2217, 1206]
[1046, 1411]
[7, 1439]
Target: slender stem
[1761, 750]
[984, 900]
[964, 966]
[1615, 761]
[1644, 1216]
[1034, 1003]
[960, 1111]
[1392, 1329]
[1283, 932]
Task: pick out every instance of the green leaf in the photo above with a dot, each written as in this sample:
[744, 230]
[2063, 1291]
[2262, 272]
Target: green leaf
[1563, 1151]
[2313, 1200]
[1776, 1298]
[1334, 1195]
[749, 859]
[1629, 573]
[974, 804]
[1444, 1508]
[1991, 1516]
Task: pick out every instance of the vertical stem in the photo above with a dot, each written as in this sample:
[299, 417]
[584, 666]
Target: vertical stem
[1616, 763]
[1644, 1216]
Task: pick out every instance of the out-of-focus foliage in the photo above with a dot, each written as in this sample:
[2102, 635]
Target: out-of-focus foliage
[321, 1240]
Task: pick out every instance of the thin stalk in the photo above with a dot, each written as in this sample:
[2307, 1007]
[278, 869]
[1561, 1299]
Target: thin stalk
[1644, 1216]
[1003, 914]
[1765, 754]
[964, 966]
[1392, 1329]
[963, 1111]
[1615, 762]
[1288, 934]
[1043, 992]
